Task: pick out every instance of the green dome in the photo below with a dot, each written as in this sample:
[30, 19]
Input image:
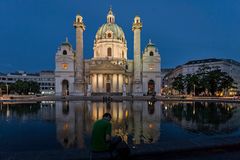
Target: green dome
[117, 32]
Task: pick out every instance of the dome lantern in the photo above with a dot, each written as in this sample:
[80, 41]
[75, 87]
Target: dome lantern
[110, 16]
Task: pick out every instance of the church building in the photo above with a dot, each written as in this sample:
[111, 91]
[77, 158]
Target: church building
[109, 71]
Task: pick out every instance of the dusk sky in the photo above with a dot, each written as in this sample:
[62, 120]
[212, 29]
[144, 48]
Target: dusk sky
[183, 30]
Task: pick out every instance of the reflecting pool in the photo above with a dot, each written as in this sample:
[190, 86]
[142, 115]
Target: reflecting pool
[65, 125]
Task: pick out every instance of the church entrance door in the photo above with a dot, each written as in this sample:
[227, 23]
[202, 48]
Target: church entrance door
[108, 86]
[151, 87]
[65, 88]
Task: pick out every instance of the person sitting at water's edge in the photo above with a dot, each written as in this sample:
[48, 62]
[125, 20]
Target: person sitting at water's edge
[102, 140]
[101, 134]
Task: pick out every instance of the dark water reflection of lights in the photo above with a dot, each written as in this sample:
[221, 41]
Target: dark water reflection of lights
[61, 125]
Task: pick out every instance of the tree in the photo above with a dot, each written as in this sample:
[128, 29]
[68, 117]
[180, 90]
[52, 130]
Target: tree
[207, 79]
[3, 88]
[178, 83]
[191, 82]
[213, 78]
[34, 87]
[24, 87]
[203, 83]
[219, 81]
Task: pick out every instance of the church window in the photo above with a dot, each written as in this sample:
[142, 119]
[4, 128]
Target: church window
[151, 66]
[64, 52]
[122, 54]
[109, 52]
[64, 66]
[151, 53]
[109, 35]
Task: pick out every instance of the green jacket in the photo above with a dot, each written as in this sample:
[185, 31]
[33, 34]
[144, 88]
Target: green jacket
[100, 129]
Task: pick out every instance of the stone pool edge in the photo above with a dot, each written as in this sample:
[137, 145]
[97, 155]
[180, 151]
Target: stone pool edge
[149, 150]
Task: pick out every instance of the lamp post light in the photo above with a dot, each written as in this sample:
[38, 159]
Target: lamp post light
[7, 88]
[194, 89]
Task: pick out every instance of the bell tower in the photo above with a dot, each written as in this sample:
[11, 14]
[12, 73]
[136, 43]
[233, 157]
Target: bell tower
[79, 84]
[137, 81]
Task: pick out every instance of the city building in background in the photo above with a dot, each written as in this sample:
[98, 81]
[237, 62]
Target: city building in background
[231, 67]
[164, 72]
[45, 79]
[109, 71]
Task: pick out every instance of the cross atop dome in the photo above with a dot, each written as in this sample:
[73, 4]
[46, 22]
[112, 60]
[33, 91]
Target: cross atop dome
[110, 16]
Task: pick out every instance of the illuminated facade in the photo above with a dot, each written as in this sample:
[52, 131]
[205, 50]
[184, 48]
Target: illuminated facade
[45, 79]
[109, 71]
[230, 66]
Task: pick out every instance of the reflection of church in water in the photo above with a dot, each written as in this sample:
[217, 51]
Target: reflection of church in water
[135, 122]
[109, 71]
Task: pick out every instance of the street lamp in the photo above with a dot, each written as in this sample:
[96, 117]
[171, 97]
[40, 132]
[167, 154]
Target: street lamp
[194, 90]
[7, 88]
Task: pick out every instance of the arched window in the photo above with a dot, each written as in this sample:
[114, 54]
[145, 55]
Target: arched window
[151, 53]
[65, 66]
[64, 52]
[122, 54]
[109, 52]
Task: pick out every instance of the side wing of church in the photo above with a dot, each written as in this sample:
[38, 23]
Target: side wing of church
[109, 71]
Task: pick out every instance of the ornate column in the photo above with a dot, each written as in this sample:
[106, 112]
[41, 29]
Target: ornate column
[103, 87]
[137, 82]
[102, 82]
[111, 81]
[79, 84]
[97, 90]
[117, 82]
[120, 82]
[94, 82]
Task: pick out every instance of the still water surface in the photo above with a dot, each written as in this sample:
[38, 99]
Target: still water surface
[65, 125]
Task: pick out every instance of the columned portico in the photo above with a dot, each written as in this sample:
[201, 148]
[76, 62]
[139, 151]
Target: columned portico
[101, 84]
